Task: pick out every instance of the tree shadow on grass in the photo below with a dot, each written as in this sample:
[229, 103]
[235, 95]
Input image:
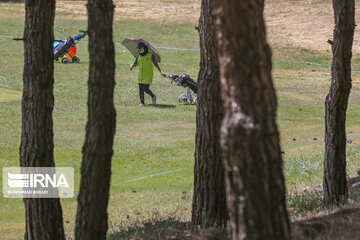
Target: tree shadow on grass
[341, 225]
[156, 229]
[170, 228]
[344, 224]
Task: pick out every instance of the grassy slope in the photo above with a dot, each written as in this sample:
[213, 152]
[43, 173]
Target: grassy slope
[154, 140]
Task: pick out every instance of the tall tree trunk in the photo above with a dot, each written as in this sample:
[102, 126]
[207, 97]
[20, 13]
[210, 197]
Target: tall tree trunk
[209, 199]
[91, 219]
[335, 184]
[249, 135]
[43, 216]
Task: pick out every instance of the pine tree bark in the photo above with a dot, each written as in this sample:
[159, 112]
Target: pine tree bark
[249, 135]
[91, 219]
[43, 216]
[334, 183]
[209, 198]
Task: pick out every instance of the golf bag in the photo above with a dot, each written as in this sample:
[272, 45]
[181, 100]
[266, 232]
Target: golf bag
[187, 82]
[65, 50]
[61, 49]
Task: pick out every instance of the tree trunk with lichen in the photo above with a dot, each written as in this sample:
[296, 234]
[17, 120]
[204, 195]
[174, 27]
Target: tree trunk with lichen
[249, 135]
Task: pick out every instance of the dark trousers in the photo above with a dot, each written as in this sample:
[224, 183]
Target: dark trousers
[144, 88]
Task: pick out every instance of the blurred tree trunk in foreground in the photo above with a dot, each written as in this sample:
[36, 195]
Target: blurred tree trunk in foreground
[43, 216]
[91, 219]
[249, 134]
[335, 184]
[209, 199]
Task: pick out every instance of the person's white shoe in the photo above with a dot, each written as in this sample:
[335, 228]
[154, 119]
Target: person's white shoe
[141, 105]
[154, 100]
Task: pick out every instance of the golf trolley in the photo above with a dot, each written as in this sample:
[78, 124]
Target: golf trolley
[65, 50]
[187, 82]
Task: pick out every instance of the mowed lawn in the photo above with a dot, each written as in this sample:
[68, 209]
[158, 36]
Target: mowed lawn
[148, 140]
[152, 167]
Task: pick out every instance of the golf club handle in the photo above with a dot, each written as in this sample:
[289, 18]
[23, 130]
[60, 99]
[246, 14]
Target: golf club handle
[163, 74]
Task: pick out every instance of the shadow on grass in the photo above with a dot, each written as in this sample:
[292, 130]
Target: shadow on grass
[162, 106]
[344, 224]
[170, 228]
[187, 104]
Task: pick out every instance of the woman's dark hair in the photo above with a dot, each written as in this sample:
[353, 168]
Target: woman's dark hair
[140, 45]
[146, 50]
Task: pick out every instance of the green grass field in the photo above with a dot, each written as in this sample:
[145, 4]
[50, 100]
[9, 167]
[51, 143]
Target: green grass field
[154, 140]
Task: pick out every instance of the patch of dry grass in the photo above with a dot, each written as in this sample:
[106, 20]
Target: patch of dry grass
[11, 10]
[164, 11]
[305, 85]
[8, 95]
[304, 23]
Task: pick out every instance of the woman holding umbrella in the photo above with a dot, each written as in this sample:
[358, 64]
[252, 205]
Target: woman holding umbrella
[145, 60]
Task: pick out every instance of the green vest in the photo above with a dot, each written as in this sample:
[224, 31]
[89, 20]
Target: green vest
[146, 69]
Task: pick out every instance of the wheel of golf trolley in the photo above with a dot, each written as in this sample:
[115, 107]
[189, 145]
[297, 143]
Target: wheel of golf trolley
[76, 59]
[183, 98]
[65, 60]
